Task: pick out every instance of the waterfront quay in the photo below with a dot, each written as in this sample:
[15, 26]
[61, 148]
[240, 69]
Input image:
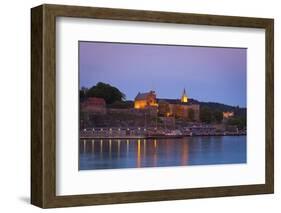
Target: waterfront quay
[153, 132]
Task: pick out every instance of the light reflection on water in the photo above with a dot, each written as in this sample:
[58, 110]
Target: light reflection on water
[137, 153]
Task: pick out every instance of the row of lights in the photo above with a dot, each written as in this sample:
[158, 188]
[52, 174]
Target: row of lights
[111, 129]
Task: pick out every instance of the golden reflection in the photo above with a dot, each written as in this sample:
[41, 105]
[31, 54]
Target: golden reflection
[144, 148]
[118, 148]
[139, 154]
[101, 143]
[184, 159]
[93, 145]
[110, 142]
[155, 153]
[128, 142]
[84, 145]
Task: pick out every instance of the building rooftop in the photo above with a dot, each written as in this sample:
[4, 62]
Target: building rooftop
[142, 96]
[177, 101]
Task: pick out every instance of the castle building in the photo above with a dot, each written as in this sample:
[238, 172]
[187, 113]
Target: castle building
[94, 105]
[227, 115]
[180, 108]
[145, 100]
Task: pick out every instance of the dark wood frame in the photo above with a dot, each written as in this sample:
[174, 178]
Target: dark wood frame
[43, 105]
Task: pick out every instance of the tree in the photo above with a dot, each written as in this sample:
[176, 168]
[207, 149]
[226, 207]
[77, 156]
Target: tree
[109, 93]
[82, 93]
[205, 115]
[218, 116]
[240, 122]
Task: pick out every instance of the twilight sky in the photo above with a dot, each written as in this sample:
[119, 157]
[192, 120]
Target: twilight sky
[207, 74]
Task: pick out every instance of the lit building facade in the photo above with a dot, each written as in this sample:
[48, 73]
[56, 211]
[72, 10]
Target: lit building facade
[145, 100]
[179, 108]
[176, 108]
[227, 115]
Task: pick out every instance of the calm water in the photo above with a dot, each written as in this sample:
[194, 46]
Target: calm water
[134, 153]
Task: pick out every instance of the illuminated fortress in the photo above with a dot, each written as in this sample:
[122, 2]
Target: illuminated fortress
[184, 107]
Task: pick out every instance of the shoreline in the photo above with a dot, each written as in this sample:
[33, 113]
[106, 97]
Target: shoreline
[160, 137]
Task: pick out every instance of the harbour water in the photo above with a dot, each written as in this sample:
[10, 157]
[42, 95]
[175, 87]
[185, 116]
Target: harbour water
[138, 153]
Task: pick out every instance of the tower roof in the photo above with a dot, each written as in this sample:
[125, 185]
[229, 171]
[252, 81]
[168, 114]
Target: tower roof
[184, 93]
[184, 98]
[144, 96]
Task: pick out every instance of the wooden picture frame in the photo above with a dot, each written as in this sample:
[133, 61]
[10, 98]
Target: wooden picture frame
[43, 105]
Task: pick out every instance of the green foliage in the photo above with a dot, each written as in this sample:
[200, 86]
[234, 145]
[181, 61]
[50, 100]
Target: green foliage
[210, 115]
[217, 116]
[240, 122]
[109, 93]
[82, 95]
[205, 114]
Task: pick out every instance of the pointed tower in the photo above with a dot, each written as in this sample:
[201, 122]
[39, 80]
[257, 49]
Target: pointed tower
[184, 98]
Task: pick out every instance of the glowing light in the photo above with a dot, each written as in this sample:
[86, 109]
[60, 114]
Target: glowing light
[144, 148]
[228, 114]
[127, 147]
[110, 148]
[101, 142]
[118, 149]
[93, 145]
[184, 160]
[84, 145]
[139, 154]
[140, 104]
[184, 98]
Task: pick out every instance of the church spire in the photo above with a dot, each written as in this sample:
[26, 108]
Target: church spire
[184, 98]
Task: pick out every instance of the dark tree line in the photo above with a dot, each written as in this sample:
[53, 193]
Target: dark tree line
[101, 90]
[212, 115]
[209, 115]
[239, 121]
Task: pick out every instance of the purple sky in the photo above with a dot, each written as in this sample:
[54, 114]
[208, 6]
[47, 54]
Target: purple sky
[207, 74]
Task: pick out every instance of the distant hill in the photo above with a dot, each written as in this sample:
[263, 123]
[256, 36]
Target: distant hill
[214, 106]
[238, 111]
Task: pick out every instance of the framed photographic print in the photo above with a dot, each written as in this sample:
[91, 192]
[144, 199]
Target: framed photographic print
[136, 106]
